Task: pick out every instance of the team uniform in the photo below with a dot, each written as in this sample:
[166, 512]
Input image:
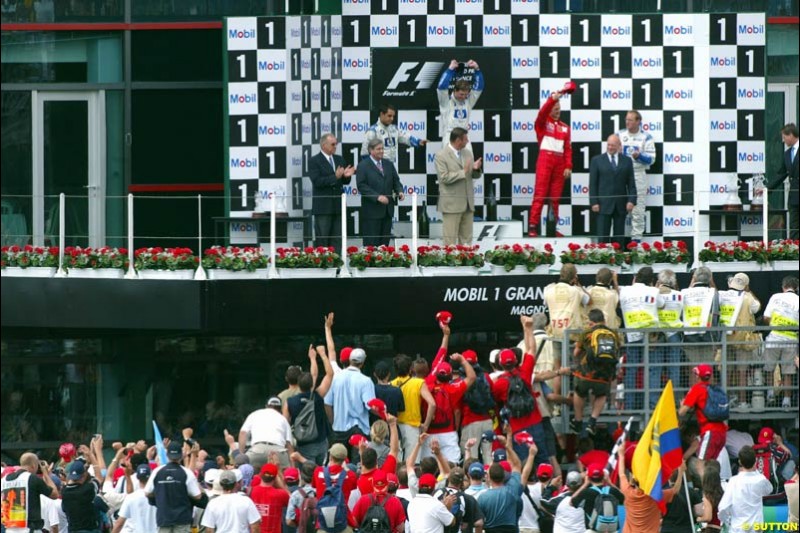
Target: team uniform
[644, 143]
[391, 136]
[454, 113]
[555, 156]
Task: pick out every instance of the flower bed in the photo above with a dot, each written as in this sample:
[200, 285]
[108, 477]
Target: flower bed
[77, 258]
[379, 257]
[520, 255]
[784, 250]
[450, 256]
[234, 258]
[593, 254]
[29, 256]
[165, 259]
[734, 251]
[320, 257]
[669, 252]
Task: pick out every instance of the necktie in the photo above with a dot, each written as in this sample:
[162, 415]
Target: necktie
[379, 163]
[330, 160]
[614, 161]
[794, 153]
[458, 154]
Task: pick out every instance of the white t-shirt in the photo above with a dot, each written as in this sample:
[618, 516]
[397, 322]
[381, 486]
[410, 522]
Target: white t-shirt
[741, 504]
[529, 517]
[231, 513]
[426, 514]
[785, 308]
[52, 514]
[568, 519]
[139, 515]
[267, 425]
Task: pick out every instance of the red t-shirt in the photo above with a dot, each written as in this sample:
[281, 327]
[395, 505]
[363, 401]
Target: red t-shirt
[393, 506]
[349, 482]
[456, 393]
[696, 398]
[500, 393]
[467, 415]
[271, 504]
[365, 479]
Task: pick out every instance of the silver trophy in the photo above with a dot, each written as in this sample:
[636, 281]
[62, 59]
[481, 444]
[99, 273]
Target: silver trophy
[732, 200]
[758, 186]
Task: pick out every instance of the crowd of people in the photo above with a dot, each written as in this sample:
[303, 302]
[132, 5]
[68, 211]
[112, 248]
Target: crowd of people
[446, 444]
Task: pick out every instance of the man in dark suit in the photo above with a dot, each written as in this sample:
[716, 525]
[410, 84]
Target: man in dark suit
[612, 190]
[789, 169]
[378, 182]
[328, 173]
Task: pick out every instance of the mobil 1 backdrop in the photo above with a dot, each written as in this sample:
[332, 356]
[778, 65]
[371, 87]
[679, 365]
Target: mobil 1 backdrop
[698, 80]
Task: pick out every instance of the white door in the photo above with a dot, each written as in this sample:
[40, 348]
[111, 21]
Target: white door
[69, 156]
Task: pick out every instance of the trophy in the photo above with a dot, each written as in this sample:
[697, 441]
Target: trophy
[732, 200]
[758, 185]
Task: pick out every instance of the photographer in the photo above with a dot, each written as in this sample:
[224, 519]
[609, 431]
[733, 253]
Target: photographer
[25, 480]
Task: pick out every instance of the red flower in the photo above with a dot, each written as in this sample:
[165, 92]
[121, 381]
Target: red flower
[631, 245]
[309, 250]
[352, 249]
[681, 245]
[548, 248]
[574, 247]
[615, 245]
[645, 247]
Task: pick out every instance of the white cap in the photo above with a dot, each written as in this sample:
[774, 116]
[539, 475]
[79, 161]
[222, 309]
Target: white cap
[493, 355]
[211, 475]
[358, 355]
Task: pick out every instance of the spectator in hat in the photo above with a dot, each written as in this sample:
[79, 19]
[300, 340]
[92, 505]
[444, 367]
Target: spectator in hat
[80, 499]
[712, 434]
[336, 467]
[347, 402]
[426, 514]
[269, 432]
[25, 479]
[411, 418]
[271, 498]
[742, 344]
[174, 490]
[476, 474]
[467, 512]
[313, 449]
[291, 476]
[305, 490]
[781, 454]
[500, 502]
[537, 487]
[232, 511]
[136, 510]
[380, 496]
[781, 344]
[567, 517]
[595, 483]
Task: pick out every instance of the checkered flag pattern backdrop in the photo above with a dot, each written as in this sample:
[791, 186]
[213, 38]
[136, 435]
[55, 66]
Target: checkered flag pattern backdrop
[697, 79]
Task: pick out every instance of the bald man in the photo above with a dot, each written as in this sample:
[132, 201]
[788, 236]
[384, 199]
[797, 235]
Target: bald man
[612, 190]
[26, 479]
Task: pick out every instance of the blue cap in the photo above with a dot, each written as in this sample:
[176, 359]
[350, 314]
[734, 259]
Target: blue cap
[488, 436]
[143, 471]
[175, 450]
[76, 470]
[499, 455]
[476, 470]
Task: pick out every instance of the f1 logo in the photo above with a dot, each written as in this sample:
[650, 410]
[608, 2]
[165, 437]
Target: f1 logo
[491, 232]
[425, 77]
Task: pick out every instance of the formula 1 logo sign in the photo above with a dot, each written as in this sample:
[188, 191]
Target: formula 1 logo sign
[409, 77]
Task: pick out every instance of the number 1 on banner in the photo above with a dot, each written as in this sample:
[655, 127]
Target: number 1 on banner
[615, 56]
[243, 189]
[586, 225]
[355, 152]
[750, 63]
[678, 126]
[524, 151]
[615, 122]
[585, 28]
[678, 189]
[412, 30]
[524, 24]
[524, 87]
[411, 152]
[646, 24]
[646, 89]
[242, 66]
[585, 152]
[354, 87]
[468, 24]
[722, 152]
[554, 56]
[749, 119]
[271, 28]
[722, 85]
[722, 27]
[242, 130]
[585, 93]
[271, 93]
[271, 156]
[496, 120]
[354, 24]
[678, 55]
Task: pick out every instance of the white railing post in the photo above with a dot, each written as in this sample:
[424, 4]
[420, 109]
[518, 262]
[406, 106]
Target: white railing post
[200, 273]
[697, 244]
[131, 273]
[344, 272]
[414, 235]
[62, 202]
[765, 217]
[273, 270]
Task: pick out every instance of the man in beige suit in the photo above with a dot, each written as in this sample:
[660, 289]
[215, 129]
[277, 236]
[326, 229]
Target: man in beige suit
[456, 168]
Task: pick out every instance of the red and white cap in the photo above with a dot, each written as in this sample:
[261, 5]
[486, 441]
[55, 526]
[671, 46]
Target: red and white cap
[379, 406]
[444, 317]
[703, 371]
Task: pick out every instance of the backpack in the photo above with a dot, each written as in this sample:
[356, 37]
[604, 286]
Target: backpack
[331, 508]
[520, 398]
[458, 510]
[444, 409]
[604, 517]
[304, 426]
[307, 519]
[602, 352]
[376, 519]
[717, 407]
[479, 396]
[545, 519]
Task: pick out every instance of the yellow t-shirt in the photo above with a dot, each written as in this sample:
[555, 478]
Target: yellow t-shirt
[410, 387]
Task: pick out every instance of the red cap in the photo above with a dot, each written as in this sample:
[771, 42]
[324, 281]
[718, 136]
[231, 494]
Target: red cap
[523, 438]
[427, 481]
[507, 357]
[704, 371]
[67, 451]
[379, 406]
[269, 469]
[379, 481]
[596, 471]
[392, 479]
[357, 439]
[344, 355]
[544, 471]
[291, 475]
[444, 317]
[506, 466]
[443, 369]
[569, 87]
[470, 356]
[766, 435]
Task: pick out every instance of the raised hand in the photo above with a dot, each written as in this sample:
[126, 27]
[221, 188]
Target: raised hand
[476, 165]
[453, 64]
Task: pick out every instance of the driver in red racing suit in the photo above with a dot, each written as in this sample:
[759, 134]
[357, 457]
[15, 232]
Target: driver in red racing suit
[554, 163]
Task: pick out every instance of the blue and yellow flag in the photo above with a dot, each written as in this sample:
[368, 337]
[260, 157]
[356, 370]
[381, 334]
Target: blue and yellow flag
[659, 450]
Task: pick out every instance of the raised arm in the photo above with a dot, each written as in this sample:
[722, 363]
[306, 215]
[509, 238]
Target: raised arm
[527, 332]
[528, 467]
[442, 353]
[623, 477]
[513, 458]
[470, 377]
[325, 386]
[394, 441]
[314, 368]
[330, 345]
[411, 460]
[426, 395]
[436, 450]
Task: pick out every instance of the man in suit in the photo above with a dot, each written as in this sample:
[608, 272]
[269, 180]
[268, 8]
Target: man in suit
[789, 169]
[455, 169]
[612, 190]
[378, 182]
[328, 173]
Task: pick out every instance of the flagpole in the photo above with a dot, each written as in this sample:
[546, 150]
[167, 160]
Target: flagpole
[688, 500]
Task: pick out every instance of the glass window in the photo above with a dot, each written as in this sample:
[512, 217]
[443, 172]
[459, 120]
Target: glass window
[61, 57]
[62, 11]
[192, 55]
[782, 8]
[203, 9]
[783, 52]
[16, 177]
